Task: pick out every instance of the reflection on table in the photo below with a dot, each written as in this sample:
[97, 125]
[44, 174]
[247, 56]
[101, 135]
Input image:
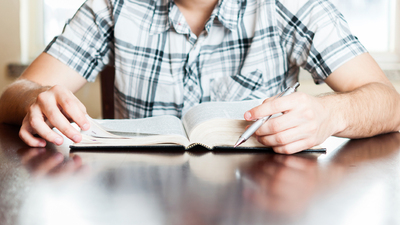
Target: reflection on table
[354, 183]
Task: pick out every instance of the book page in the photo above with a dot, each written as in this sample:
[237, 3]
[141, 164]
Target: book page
[222, 132]
[167, 139]
[158, 125]
[164, 130]
[216, 110]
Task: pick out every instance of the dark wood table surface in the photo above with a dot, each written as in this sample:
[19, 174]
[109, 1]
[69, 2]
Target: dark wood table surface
[355, 182]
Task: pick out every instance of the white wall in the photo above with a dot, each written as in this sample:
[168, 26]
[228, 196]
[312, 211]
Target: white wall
[10, 52]
[9, 38]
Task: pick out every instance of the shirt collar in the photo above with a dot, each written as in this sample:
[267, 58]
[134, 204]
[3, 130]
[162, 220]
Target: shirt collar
[159, 21]
[163, 14]
[228, 13]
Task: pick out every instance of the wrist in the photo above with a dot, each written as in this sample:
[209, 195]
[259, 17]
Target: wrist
[30, 92]
[336, 119]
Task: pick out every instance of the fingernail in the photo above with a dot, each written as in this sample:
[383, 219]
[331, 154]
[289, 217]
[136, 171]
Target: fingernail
[85, 126]
[247, 115]
[58, 141]
[76, 138]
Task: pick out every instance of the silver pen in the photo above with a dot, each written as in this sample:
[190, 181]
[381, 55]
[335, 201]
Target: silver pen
[250, 131]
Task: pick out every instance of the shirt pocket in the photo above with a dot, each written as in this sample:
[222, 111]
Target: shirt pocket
[238, 87]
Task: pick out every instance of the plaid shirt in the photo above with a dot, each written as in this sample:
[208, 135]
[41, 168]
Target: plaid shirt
[247, 49]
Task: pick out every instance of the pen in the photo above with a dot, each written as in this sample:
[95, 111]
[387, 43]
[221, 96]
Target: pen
[250, 131]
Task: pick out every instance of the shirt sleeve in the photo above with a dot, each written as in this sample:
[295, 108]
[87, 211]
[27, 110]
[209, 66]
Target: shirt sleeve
[316, 36]
[86, 43]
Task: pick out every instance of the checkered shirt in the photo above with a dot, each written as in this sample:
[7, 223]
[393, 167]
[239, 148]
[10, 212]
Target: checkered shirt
[247, 49]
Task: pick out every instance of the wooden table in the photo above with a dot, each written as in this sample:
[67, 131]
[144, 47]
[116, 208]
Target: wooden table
[356, 182]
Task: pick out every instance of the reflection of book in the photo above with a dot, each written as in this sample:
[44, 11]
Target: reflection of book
[208, 124]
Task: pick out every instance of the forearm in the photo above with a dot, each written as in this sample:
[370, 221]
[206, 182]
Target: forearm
[43, 73]
[17, 98]
[367, 111]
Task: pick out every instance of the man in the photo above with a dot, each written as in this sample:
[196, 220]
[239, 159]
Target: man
[171, 55]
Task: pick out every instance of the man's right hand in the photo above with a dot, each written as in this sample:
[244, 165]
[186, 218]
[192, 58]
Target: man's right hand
[56, 107]
[42, 98]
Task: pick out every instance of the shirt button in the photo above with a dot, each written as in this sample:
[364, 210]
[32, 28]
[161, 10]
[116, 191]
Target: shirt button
[191, 88]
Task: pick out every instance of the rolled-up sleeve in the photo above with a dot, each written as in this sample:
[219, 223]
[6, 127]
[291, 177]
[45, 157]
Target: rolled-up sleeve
[86, 43]
[317, 37]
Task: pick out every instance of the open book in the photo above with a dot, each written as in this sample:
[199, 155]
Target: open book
[208, 124]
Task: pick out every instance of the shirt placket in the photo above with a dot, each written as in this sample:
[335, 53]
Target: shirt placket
[192, 85]
[193, 93]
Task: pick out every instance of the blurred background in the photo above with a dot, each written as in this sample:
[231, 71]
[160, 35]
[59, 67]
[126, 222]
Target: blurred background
[27, 26]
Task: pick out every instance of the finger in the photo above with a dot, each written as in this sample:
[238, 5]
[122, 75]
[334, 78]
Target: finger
[283, 138]
[294, 147]
[279, 124]
[269, 99]
[74, 110]
[40, 127]
[58, 120]
[278, 105]
[26, 134]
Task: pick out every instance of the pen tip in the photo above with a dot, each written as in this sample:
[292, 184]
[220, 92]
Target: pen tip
[239, 142]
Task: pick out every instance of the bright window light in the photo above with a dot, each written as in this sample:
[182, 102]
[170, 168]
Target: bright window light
[372, 21]
[56, 13]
